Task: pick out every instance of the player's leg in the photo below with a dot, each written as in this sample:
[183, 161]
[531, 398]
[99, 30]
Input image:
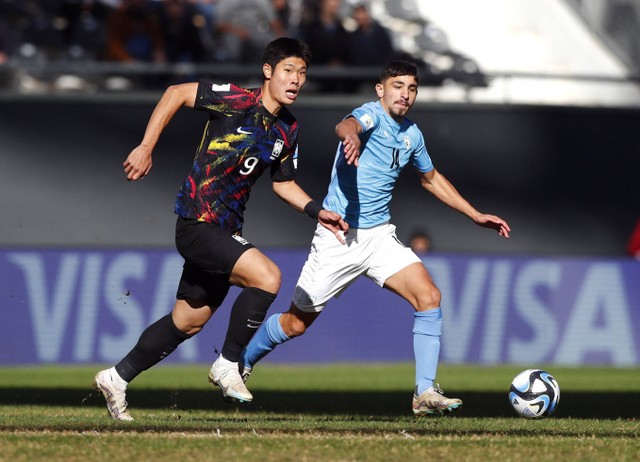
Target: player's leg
[161, 338]
[329, 269]
[198, 296]
[202, 288]
[398, 269]
[260, 278]
[214, 259]
[277, 329]
[415, 285]
[156, 342]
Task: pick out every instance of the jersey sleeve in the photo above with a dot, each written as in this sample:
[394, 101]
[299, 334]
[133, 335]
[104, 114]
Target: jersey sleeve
[421, 159]
[365, 117]
[210, 96]
[285, 169]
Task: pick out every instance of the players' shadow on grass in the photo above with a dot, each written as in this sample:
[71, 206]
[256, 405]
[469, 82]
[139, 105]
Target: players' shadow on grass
[601, 405]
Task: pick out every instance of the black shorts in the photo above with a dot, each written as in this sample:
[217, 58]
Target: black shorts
[210, 253]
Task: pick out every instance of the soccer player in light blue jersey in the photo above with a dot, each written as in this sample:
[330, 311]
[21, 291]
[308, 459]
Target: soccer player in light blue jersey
[377, 141]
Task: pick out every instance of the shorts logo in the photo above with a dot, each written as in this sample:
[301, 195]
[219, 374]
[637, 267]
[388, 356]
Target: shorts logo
[243, 131]
[277, 149]
[307, 301]
[240, 239]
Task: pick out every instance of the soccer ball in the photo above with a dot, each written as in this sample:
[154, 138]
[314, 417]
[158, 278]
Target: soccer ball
[534, 394]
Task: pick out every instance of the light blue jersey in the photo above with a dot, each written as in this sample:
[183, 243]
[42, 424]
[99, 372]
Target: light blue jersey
[362, 194]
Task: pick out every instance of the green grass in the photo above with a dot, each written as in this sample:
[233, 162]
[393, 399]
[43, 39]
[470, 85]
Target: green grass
[329, 412]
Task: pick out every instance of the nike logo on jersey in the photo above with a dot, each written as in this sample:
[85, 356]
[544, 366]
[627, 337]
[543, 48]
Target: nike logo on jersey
[243, 132]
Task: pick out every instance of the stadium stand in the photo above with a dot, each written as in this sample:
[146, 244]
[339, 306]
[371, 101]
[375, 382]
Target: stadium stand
[498, 51]
[64, 45]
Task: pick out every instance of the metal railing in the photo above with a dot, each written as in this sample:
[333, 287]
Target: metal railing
[101, 77]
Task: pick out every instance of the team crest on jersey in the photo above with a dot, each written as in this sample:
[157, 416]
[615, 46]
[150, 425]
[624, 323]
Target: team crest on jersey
[216, 87]
[277, 149]
[407, 143]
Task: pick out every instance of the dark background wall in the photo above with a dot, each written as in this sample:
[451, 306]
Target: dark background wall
[564, 178]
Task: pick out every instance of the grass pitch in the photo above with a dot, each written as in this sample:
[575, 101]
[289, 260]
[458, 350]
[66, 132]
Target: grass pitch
[321, 413]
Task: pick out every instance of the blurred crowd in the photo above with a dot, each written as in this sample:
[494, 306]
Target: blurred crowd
[187, 31]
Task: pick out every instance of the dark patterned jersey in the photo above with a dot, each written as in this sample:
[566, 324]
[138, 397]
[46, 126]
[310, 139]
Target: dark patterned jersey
[241, 140]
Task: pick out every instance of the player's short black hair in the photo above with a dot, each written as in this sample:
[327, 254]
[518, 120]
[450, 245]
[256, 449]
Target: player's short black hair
[285, 47]
[399, 67]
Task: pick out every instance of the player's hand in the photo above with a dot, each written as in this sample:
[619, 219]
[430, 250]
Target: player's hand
[138, 163]
[351, 149]
[494, 222]
[334, 223]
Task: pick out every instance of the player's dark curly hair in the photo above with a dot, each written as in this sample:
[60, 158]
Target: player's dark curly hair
[285, 47]
[399, 67]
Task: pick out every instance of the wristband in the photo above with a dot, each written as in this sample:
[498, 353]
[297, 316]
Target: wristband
[313, 209]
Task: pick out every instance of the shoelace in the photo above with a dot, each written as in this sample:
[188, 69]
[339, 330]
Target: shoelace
[118, 398]
[234, 381]
[437, 389]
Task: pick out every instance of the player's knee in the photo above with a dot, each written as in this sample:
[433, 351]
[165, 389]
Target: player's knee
[192, 330]
[296, 329]
[428, 299]
[190, 316]
[256, 270]
[190, 326]
[292, 325]
[267, 278]
[272, 280]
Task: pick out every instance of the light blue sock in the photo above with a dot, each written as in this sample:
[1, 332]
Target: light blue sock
[427, 329]
[266, 339]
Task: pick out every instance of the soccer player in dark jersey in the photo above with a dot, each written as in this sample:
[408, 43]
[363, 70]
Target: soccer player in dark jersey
[248, 131]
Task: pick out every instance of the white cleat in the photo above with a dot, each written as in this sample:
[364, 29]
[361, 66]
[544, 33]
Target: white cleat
[432, 401]
[113, 394]
[226, 375]
[246, 373]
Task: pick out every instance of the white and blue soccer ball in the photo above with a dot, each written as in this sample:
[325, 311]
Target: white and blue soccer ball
[534, 394]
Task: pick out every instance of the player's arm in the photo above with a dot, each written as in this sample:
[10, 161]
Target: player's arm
[296, 197]
[348, 131]
[139, 162]
[434, 182]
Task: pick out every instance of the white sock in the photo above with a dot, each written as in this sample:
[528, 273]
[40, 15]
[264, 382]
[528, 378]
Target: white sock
[116, 379]
[225, 362]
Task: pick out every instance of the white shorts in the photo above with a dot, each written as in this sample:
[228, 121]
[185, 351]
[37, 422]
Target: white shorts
[331, 266]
